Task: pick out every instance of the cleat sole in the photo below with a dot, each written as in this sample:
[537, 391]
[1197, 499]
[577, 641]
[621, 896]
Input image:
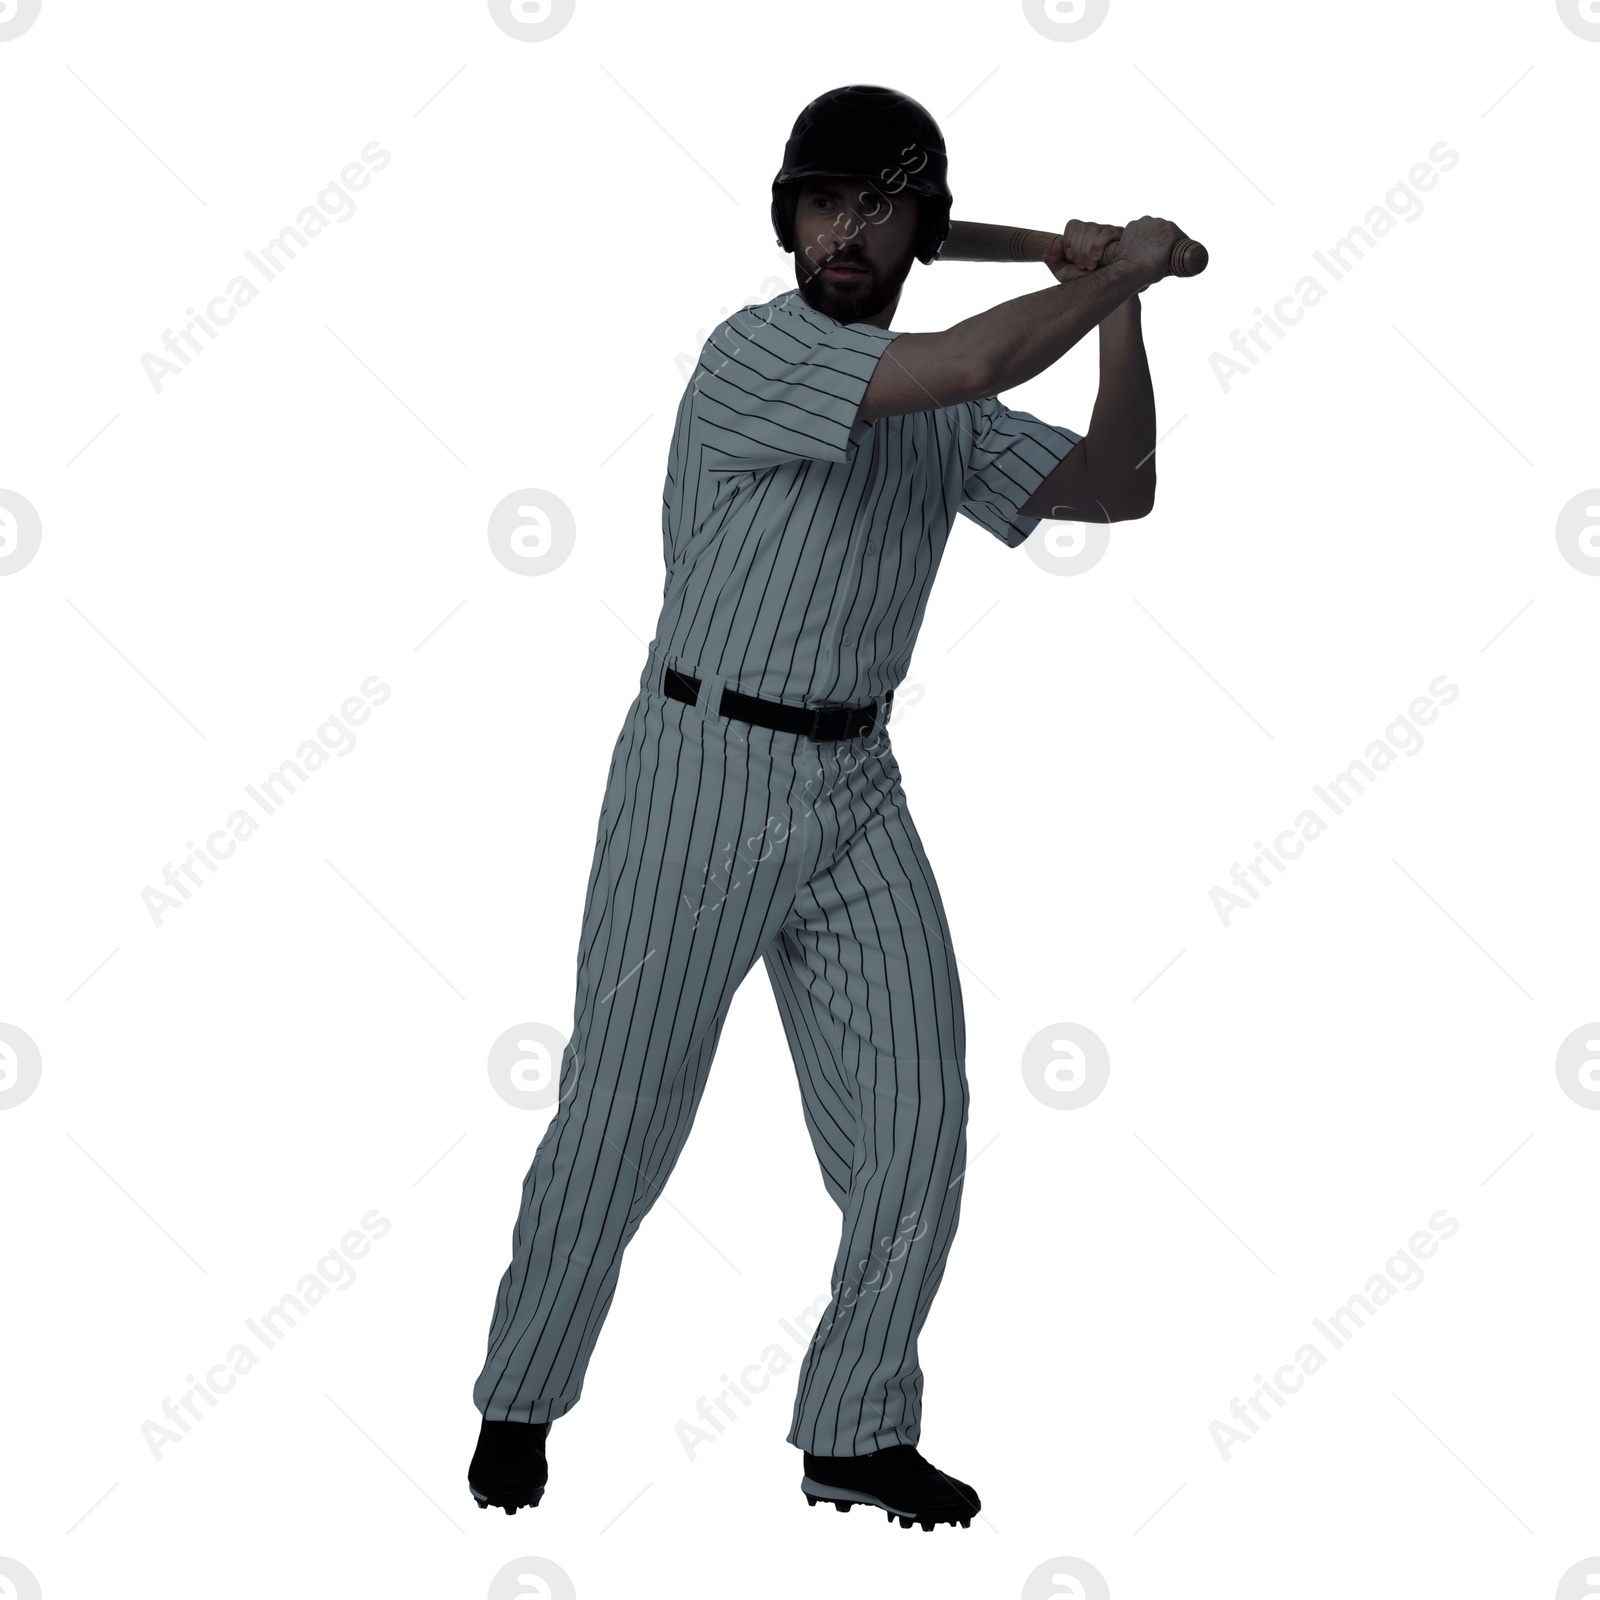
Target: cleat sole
[843, 1499]
[485, 1501]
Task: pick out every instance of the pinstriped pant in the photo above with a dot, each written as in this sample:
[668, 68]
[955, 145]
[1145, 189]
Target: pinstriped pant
[720, 842]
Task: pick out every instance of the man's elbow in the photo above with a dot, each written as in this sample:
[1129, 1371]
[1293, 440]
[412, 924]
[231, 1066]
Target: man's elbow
[1138, 508]
[1139, 500]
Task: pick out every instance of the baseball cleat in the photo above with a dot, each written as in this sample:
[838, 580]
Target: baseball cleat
[897, 1481]
[508, 1467]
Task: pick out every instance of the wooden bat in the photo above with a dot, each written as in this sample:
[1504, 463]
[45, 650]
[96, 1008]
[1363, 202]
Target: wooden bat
[988, 241]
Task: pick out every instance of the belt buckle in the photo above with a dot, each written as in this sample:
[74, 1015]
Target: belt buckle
[842, 710]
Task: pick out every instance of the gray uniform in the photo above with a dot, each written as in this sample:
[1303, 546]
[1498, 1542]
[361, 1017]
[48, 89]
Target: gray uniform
[799, 555]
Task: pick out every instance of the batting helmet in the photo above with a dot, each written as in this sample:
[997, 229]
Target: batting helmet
[863, 131]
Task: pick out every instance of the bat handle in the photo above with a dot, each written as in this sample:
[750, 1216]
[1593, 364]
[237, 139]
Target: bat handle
[986, 241]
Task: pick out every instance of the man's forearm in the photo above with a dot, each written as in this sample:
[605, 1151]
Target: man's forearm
[1017, 339]
[1123, 422]
[1110, 475]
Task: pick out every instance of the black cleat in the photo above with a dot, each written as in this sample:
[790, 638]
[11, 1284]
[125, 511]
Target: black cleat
[896, 1480]
[508, 1467]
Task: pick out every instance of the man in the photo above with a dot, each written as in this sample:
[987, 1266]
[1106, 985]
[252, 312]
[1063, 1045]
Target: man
[754, 806]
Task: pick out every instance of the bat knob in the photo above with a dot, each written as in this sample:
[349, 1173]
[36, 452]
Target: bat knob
[1189, 258]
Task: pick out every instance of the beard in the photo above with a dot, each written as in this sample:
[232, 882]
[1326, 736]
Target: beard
[848, 302]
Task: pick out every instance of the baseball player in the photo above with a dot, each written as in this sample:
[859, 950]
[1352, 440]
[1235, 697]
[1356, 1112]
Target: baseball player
[754, 806]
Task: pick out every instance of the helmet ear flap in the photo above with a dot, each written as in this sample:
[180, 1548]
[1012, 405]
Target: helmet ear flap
[785, 198]
[933, 226]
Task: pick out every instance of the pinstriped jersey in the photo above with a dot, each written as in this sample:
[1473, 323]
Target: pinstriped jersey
[799, 549]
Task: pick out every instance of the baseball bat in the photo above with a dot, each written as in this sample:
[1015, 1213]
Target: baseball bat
[988, 241]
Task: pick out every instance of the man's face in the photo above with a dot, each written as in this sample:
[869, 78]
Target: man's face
[853, 246]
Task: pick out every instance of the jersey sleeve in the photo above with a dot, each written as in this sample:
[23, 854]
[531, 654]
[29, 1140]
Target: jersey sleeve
[1010, 453]
[778, 383]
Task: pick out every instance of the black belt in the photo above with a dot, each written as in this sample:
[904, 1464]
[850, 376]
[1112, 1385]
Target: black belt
[815, 722]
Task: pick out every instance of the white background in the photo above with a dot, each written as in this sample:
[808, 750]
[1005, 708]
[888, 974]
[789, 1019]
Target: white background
[224, 562]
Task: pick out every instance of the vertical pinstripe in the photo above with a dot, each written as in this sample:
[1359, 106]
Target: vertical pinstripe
[799, 555]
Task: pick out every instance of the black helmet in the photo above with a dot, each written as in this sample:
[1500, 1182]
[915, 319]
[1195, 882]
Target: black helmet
[863, 131]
